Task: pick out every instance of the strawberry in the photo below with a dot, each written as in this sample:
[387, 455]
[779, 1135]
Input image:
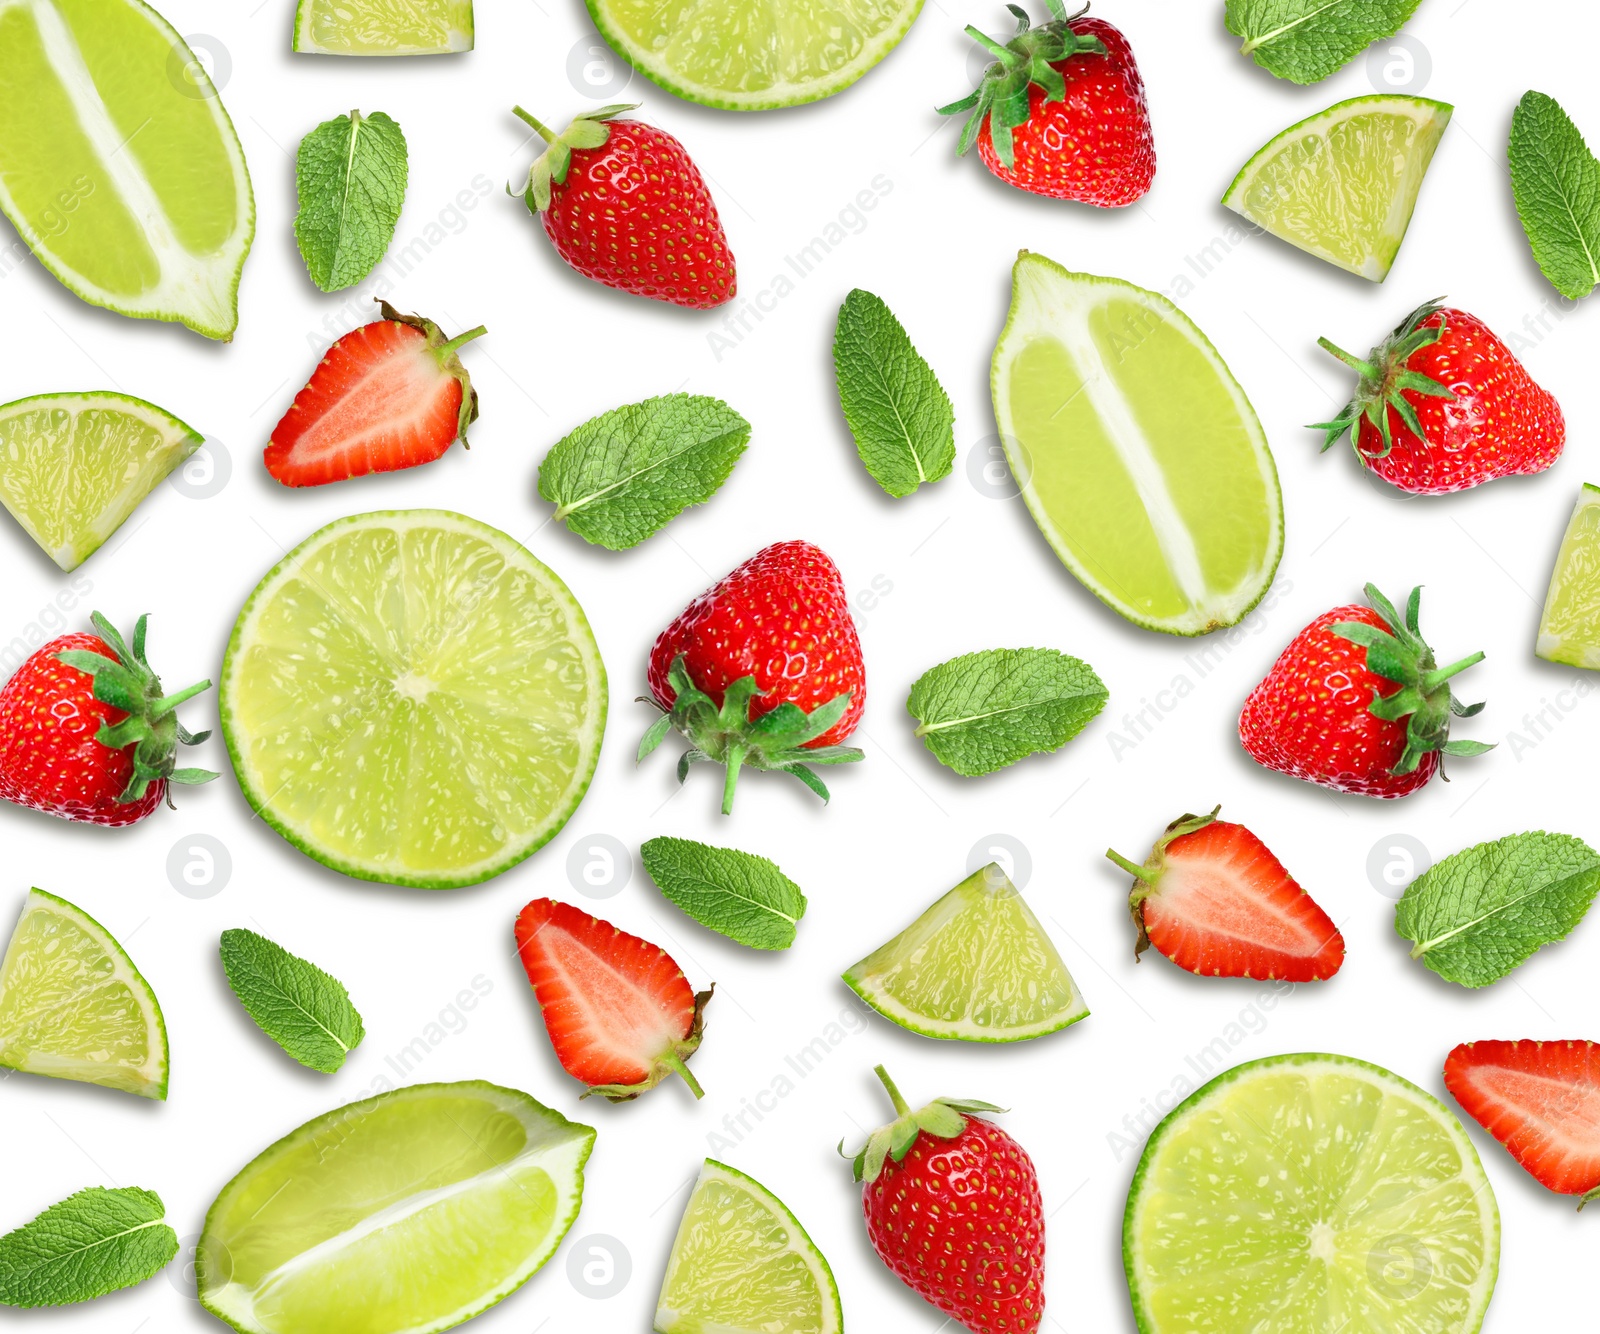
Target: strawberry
[1215, 901]
[1443, 405]
[389, 395]
[763, 668]
[1541, 1100]
[1062, 111]
[624, 204]
[619, 1011]
[86, 734]
[952, 1207]
[1355, 703]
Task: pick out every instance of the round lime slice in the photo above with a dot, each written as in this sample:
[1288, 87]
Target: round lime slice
[1342, 184]
[742, 1264]
[750, 55]
[73, 1006]
[1306, 1194]
[383, 27]
[1569, 629]
[411, 697]
[403, 1214]
[1138, 454]
[976, 966]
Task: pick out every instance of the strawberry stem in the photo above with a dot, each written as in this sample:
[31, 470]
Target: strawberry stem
[1003, 54]
[675, 1063]
[460, 341]
[538, 128]
[1143, 873]
[1363, 368]
[1434, 679]
[901, 1107]
[167, 703]
[736, 754]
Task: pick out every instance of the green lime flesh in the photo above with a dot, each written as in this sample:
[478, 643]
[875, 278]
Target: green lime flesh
[411, 697]
[1308, 1194]
[742, 1264]
[403, 1214]
[976, 966]
[1342, 184]
[1138, 454]
[73, 1006]
[1569, 628]
[383, 27]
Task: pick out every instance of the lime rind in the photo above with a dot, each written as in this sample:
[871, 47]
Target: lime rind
[442, 27]
[1569, 625]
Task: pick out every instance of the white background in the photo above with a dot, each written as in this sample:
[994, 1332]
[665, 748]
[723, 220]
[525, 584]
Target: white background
[954, 570]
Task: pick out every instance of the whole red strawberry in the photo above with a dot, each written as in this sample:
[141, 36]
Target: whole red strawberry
[1356, 703]
[86, 734]
[1444, 405]
[1062, 112]
[763, 668]
[952, 1207]
[624, 204]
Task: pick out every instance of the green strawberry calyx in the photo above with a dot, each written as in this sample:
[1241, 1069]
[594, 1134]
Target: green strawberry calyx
[1424, 699]
[587, 130]
[444, 350]
[1147, 878]
[730, 737]
[1384, 378]
[125, 681]
[673, 1061]
[1029, 58]
[943, 1118]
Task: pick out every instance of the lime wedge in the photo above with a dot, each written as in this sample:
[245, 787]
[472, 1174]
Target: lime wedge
[1341, 185]
[1569, 629]
[73, 1006]
[976, 966]
[74, 466]
[1306, 1194]
[403, 1214]
[411, 697]
[742, 1264]
[383, 27]
[750, 55]
[1139, 455]
[118, 165]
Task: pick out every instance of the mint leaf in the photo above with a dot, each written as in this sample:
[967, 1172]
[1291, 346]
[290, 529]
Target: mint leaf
[627, 473]
[738, 894]
[983, 711]
[894, 404]
[1475, 916]
[1556, 181]
[300, 1007]
[92, 1243]
[351, 178]
[1304, 41]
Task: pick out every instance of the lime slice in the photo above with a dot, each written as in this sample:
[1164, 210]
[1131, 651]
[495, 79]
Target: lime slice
[1139, 455]
[383, 27]
[1341, 185]
[742, 1264]
[976, 966]
[73, 1006]
[403, 1214]
[1569, 630]
[750, 55]
[74, 466]
[118, 164]
[411, 697]
[1306, 1194]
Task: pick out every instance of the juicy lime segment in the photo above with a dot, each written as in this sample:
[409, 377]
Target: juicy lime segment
[404, 1214]
[411, 697]
[1342, 184]
[976, 966]
[1139, 455]
[73, 1006]
[1569, 629]
[1309, 1193]
[383, 27]
[742, 1264]
[748, 55]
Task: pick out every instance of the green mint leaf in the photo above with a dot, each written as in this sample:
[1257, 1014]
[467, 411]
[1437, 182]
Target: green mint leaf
[300, 1007]
[1556, 181]
[1304, 41]
[894, 404]
[738, 894]
[983, 711]
[92, 1243]
[1475, 916]
[627, 473]
[351, 178]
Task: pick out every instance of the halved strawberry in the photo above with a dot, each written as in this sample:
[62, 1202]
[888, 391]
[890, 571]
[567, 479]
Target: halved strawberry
[620, 1013]
[1541, 1100]
[1215, 901]
[389, 395]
